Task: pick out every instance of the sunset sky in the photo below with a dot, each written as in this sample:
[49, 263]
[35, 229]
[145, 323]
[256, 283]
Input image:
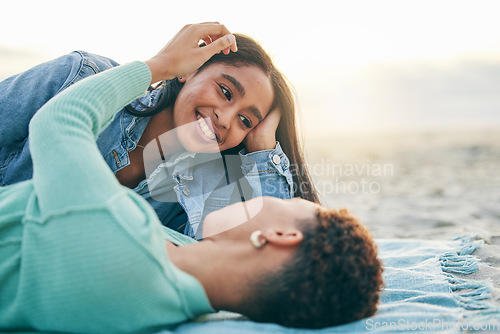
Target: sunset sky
[356, 65]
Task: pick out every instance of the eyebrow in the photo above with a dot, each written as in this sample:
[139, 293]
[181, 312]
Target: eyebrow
[241, 90]
[235, 83]
[256, 112]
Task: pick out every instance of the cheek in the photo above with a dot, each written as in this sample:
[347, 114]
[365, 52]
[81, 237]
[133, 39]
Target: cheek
[235, 215]
[180, 112]
[224, 220]
[188, 100]
[234, 138]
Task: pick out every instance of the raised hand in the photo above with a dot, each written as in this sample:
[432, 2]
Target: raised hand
[263, 136]
[182, 55]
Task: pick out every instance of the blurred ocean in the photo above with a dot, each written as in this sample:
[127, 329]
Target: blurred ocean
[421, 185]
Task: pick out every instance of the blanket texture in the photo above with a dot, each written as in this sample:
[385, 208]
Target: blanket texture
[423, 293]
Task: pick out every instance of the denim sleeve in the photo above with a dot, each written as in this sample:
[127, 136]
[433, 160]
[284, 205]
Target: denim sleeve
[22, 95]
[268, 172]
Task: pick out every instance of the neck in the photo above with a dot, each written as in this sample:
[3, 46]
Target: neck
[220, 270]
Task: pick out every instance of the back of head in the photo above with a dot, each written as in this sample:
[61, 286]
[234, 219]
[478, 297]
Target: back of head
[335, 277]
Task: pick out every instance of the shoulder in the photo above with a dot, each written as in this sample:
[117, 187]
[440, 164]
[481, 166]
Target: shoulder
[81, 64]
[97, 62]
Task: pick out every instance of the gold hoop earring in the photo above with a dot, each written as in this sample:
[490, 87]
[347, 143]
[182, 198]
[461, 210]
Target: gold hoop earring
[258, 239]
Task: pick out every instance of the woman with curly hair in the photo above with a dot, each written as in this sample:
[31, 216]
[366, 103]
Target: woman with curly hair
[79, 252]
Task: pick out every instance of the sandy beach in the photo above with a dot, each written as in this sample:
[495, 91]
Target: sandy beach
[428, 185]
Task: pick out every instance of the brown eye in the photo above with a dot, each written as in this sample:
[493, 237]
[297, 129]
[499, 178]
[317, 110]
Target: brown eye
[227, 93]
[245, 121]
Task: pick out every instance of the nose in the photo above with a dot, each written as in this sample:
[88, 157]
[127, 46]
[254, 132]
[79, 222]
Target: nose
[225, 117]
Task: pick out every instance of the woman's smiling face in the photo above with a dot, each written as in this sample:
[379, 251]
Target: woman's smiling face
[218, 106]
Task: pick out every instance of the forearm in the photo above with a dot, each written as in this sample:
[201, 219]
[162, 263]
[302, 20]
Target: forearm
[67, 165]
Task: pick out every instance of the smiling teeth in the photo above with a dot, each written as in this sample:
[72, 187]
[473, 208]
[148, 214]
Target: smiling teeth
[204, 127]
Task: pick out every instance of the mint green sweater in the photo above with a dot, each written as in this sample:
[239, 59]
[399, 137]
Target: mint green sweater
[78, 251]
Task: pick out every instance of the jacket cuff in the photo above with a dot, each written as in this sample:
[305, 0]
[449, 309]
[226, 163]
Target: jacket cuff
[264, 161]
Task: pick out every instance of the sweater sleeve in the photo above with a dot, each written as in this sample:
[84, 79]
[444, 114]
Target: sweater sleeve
[68, 169]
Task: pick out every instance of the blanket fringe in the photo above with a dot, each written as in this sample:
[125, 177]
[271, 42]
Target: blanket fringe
[472, 295]
[461, 261]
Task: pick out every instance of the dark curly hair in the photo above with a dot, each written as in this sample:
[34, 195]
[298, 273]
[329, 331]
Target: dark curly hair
[335, 277]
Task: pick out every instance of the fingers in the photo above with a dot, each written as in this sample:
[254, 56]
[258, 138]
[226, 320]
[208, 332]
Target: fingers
[215, 22]
[276, 112]
[273, 117]
[182, 55]
[207, 40]
[211, 32]
[211, 28]
[221, 44]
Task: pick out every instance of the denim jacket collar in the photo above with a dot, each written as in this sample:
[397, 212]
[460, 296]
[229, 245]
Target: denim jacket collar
[134, 126]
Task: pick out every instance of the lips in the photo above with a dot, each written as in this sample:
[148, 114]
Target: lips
[206, 128]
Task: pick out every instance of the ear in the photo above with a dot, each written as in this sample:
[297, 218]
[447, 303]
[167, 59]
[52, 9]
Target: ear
[185, 78]
[280, 237]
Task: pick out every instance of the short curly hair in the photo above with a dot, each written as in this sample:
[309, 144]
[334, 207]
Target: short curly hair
[335, 277]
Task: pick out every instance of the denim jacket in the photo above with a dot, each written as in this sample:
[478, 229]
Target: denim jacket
[182, 190]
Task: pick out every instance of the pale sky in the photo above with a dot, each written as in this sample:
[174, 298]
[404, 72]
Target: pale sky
[356, 65]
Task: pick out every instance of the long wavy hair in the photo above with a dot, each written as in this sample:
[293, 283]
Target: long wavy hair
[250, 52]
